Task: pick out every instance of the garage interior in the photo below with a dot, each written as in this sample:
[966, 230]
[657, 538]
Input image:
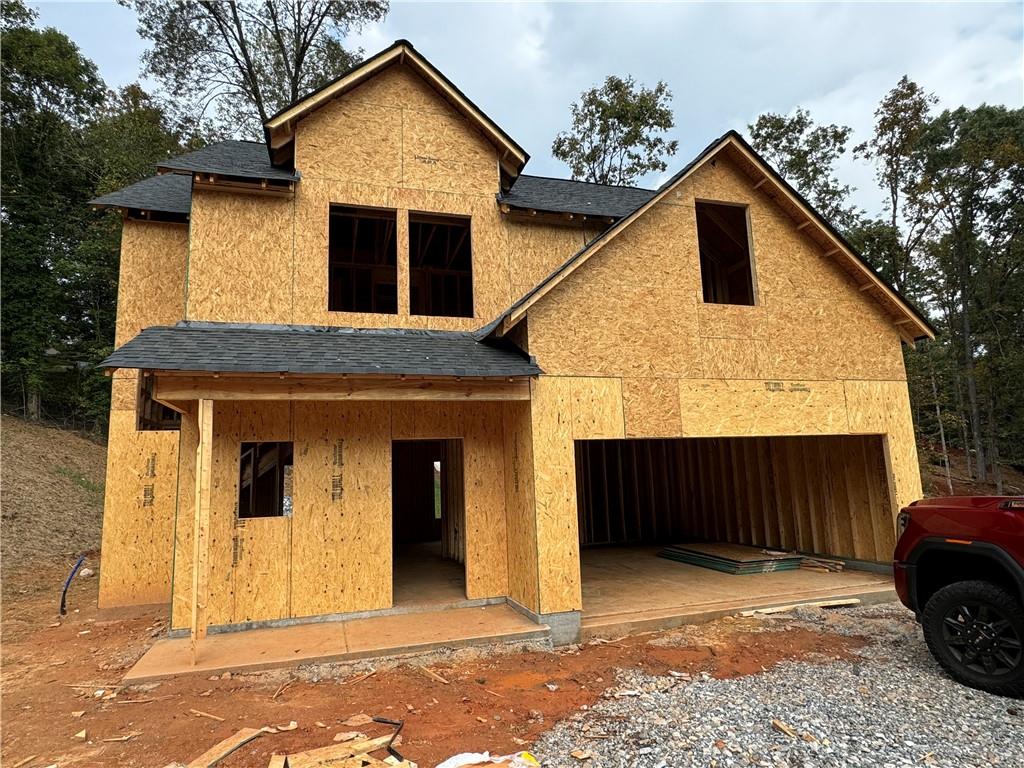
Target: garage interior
[428, 520]
[820, 495]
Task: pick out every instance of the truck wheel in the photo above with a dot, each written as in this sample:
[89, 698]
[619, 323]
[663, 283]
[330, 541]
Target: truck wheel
[975, 630]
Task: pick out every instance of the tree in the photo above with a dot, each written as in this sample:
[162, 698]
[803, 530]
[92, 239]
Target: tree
[971, 163]
[613, 139]
[248, 58]
[805, 155]
[900, 119]
[49, 90]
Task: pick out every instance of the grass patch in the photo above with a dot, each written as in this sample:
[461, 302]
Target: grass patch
[79, 479]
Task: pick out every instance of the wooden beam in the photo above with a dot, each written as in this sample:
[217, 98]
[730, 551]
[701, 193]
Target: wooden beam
[803, 224]
[201, 526]
[179, 388]
[759, 184]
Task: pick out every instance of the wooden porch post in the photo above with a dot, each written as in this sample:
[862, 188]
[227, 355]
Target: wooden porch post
[201, 525]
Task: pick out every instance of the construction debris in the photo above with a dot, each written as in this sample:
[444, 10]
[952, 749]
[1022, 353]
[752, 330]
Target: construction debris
[844, 602]
[735, 559]
[224, 748]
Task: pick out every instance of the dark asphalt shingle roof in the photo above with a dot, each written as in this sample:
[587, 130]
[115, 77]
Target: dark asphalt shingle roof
[581, 197]
[303, 349]
[170, 193]
[244, 159]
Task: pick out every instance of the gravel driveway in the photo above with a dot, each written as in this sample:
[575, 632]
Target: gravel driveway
[894, 707]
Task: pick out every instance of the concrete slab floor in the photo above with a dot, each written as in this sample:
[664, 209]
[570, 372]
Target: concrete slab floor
[423, 577]
[630, 588]
[336, 641]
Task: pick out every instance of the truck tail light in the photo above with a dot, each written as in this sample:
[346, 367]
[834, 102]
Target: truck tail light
[1014, 504]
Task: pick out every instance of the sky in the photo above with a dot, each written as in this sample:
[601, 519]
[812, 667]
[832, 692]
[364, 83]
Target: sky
[725, 63]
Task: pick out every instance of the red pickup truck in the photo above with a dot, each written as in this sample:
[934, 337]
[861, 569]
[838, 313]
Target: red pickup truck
[959, 566]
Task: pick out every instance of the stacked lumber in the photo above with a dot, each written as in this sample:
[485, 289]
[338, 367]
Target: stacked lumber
[821, 564]
[735, 559]
[354, 753]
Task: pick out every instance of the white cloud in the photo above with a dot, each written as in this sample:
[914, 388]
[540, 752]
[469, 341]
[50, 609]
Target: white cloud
[524, 63]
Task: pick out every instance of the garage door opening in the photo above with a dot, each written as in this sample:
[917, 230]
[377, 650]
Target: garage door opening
[427, 522]
[822, 495]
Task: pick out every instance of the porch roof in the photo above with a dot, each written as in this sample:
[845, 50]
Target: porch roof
[305, 349]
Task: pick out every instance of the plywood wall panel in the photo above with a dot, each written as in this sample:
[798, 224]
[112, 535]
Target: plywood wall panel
[717, 407]
[883, 407]
[341, 531]
[596, 408]
[520, 512]
[651, 407]
[537, 249]
[555, 496]
[181, 602]
[240, 265]
[485, 539]
[151, 285]
[138, 517]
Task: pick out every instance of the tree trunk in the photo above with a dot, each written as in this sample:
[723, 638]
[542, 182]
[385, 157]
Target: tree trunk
[942, 429]
[963, 246]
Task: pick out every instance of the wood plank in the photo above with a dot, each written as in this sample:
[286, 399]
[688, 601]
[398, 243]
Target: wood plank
[201, 525]
[178, 388]
[222, 749]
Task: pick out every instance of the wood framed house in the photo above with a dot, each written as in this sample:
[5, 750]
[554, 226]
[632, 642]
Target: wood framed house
[371, 353]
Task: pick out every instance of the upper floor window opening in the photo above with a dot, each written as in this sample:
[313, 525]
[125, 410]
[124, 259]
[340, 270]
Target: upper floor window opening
[362, 260]
[440, 265]
[726, 265]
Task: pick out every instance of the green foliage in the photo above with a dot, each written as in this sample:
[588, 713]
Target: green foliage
[805, 155]
[248, 58]
[614, 136]
[65, 140]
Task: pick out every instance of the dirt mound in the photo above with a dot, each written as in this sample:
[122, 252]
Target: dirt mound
[51, 496]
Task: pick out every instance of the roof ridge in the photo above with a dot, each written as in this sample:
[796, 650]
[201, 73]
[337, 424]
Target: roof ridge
[580, 181]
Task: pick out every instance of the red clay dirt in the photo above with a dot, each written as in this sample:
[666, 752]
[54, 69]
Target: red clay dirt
[497, 702]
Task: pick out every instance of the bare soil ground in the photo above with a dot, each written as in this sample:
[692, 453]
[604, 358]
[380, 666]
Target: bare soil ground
[53, 669]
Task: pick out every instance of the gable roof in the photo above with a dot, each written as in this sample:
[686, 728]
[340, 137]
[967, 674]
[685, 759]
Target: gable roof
[280, 128]
[239, 159]
[305, 349]
[166, 194]
[832, 242]
[548, 195]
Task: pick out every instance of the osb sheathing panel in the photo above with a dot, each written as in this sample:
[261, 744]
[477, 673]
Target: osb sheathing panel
[884, 407]
[629, 311]
[483, 458]
[538, 249]
[730, 407]
[635, 308]
[520, 517]
[240, 264]
[651, 407]
[151, 286]
[138, 514]
[124, 391]
[555, 496]
[333, 555]
[596, 408]
[341, 532]
[181, 603]
[396, 130]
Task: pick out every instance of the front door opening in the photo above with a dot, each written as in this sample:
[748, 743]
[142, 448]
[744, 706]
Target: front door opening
[428, 522]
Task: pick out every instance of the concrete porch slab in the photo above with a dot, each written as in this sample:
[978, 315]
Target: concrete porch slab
[333, 641]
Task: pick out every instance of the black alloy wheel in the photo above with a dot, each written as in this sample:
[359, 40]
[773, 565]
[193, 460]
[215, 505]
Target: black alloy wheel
[975, 631]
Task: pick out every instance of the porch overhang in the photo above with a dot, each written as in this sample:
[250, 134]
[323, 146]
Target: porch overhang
[228, 361]
[176, 388]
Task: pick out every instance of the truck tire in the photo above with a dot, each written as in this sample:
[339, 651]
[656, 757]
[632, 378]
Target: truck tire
[975, 631]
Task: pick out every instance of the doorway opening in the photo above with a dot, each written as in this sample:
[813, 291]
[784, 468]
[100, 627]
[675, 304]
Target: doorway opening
[428, 522]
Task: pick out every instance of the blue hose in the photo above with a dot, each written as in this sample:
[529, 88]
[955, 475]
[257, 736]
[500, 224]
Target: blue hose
[64, 592]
